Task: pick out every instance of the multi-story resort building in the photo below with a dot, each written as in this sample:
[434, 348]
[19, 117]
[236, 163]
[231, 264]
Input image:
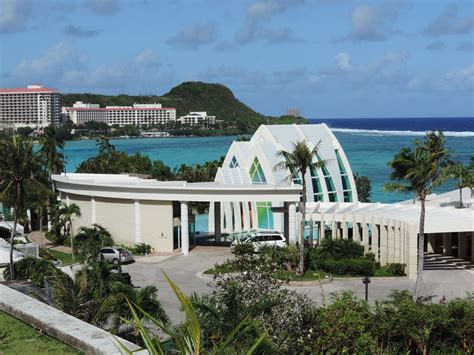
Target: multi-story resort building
[34, 106]
[251, 192]
[198, 119]
[138, 114]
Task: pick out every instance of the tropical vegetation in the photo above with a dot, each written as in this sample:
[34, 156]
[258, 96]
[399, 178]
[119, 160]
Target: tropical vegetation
[298, 161]
[421, 169]
[281, 321]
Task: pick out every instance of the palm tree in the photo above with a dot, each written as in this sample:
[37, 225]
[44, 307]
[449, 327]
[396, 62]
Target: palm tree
[90, 240]
[67, 213]
[105, 147]
[298, 162]
[19, 167]
[465, 177]
[187, 339]
[421, 170]
[51, 150]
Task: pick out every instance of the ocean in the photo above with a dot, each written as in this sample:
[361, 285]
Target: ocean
[368, 143]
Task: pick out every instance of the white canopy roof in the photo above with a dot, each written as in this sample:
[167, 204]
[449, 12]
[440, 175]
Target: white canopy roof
[5, 253]
[442, 214]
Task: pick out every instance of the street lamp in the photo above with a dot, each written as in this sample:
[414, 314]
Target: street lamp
[366, 282]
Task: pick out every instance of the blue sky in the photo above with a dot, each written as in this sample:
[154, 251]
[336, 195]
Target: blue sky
[329, 58]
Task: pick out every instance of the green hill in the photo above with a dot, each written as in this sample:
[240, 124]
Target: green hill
[216, 99]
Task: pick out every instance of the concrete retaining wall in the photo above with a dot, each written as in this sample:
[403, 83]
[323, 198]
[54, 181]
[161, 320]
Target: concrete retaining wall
[67, 329]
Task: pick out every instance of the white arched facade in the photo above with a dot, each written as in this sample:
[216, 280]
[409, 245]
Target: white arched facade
[256, 161]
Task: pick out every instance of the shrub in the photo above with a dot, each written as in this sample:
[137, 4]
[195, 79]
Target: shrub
[353, 267]
[396, 269]
[241, 249]
[34, 269]
[286, 257]
[142, 248]
[340, 249]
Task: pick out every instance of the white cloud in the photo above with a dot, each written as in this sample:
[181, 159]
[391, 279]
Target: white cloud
[459, 79]
[51, 61]
[13, 14]
[450, 22]
[374, 22]
[194, 36]
[263, 11]
[67, 68]
[343, 61]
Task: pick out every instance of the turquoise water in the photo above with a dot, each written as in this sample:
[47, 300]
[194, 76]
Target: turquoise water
[368, 153]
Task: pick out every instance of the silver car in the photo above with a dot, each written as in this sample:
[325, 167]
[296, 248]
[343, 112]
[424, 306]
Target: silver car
[115, 254]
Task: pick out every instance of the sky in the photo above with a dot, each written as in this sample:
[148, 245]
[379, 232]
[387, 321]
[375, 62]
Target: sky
[327, 58]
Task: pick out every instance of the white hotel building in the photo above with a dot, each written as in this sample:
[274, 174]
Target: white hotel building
[34, 106]
[198, 119]
[138, 114]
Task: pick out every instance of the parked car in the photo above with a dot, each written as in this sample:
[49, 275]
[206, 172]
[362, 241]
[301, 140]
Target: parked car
[258, 239]
[115, 254]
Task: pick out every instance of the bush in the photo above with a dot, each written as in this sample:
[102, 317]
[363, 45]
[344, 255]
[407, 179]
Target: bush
[396, 269]
[340, 249]
[241, 249]
[353, 267]
[34, 269]
[286, 257]
[142, 248]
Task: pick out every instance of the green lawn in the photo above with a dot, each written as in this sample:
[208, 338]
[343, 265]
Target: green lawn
[17, 337]
[66, 258]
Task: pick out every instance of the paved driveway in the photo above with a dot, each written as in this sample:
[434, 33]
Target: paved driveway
[183, 269]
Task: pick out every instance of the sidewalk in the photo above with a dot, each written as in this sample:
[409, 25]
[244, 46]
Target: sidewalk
[36, 237]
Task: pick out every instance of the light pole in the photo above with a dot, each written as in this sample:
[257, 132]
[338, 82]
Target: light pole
[366, 282]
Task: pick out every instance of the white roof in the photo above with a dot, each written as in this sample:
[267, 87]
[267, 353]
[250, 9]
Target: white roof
[132, 187]
[5, 253]
[442, 215]
[9, 226]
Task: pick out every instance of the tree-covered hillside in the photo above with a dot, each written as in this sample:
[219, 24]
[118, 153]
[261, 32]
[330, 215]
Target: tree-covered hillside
[216, 99]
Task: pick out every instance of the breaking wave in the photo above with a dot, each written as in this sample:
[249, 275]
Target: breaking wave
[376, 132]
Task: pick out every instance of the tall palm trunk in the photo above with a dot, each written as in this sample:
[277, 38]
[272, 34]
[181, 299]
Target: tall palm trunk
[303, 219]
[421, 248]
[460, 197]
[13, 233]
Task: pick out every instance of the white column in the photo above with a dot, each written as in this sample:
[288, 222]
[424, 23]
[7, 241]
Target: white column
[365, 236]
[391, 242]
[28, 216]
[431, 242]
[412, 246]
[376, 226]
[355, 230]
[345, 232]
[93, 213]
[396, 251]
[67, 200]
[184, 229]
[292, 223]
[383, 242]
[333, 227]
[403, 249]
[138, 229]
[322, 228]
